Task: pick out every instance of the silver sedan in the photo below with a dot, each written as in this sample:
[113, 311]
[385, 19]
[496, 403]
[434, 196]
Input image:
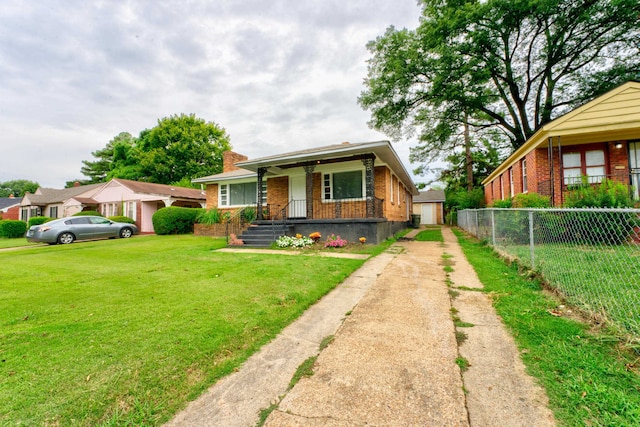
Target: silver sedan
[67, 230]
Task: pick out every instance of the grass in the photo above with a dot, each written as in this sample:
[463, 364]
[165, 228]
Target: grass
[125, 332]
[430, 235]
[597, 279]
[590, 378]
[15, 243]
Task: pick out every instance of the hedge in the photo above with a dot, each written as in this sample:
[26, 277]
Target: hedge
[120, 218]
[87, 213]
[37, 220]
[175, 220]
[10, 228]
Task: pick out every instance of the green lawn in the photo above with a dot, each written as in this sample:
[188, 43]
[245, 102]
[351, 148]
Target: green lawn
[601, 280]
[591, 378]
[430, 235]
[125, 332]
[14, 243]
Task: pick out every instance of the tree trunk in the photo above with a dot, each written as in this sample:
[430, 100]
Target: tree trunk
[467, 150]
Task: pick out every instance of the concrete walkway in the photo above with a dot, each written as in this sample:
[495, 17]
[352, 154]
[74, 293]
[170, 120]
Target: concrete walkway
[393, 359]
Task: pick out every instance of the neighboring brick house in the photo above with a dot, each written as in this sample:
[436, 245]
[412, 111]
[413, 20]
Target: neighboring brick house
[359, 189]
[9, 208]
[137, 200]
[598, 140]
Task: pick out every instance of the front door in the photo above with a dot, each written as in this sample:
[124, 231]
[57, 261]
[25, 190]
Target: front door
[634, 167]
[297, 196]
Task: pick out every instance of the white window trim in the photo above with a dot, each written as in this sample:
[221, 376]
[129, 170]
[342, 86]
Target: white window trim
[227, 184]
[331, 173]
[511, 185]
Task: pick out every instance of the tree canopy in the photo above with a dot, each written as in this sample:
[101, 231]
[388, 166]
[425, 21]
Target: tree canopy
[17, 187]
[179, 148]
[503, 67]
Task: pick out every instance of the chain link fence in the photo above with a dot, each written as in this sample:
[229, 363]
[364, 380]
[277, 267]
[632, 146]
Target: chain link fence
[591, 256]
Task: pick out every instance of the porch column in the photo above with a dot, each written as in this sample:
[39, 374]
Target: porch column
[369, 185]
[261, 172]
[309, 187]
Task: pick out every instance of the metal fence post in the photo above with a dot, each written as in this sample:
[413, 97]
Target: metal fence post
[493, 228]
[476, 224]
[531, 243]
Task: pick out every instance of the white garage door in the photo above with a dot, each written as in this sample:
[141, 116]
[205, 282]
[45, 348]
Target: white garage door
[427, 216]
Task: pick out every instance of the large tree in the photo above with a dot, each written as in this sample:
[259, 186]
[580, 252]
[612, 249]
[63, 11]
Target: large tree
[180, 147]
[17, 187]
[504, 68]
[99, 170]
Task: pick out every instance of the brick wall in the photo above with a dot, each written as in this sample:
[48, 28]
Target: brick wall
[229, 160]
[619, 161]
[278, 191]
[212, 196]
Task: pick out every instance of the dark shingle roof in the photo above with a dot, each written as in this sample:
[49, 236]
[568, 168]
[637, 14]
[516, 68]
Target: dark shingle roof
[429, 196]
[7, 202]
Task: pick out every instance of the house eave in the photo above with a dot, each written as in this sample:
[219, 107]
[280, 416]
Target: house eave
[382, 150]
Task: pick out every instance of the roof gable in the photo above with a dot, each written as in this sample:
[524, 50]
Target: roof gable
[616, 109]
[612, 116]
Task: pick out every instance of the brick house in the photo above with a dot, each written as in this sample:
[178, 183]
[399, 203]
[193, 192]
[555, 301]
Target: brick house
[598, 140]
[9, 208]
[350, 189]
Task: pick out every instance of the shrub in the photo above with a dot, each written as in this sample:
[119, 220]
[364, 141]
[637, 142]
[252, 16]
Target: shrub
[607, 194]
[12, 229]
[599, 227]
[37, 220]
[531, 200]
[174, 220]
[121, 218]
[249, 214]
[87, 213]
[507, 203]
[209, 217]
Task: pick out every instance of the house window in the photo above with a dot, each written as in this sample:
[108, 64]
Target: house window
[391, 188]
[110, 209]
[511, 192]
[53, 212]
[131, 209]
[343, 185]
[589, 163]
[238, 194]
[525, 187]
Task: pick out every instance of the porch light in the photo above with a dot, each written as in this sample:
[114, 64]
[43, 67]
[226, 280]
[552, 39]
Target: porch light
[619, 145]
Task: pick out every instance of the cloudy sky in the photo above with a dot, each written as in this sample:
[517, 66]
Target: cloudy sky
[277, 75]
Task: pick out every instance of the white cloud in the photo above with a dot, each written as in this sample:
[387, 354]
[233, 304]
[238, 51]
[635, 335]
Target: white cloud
[276, 75]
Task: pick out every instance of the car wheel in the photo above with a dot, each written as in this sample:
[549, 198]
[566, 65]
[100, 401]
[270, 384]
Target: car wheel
[66, 238]
[126, 233]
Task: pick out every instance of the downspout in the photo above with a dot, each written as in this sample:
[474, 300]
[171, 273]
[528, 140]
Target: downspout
[552, 184]
[561, 166]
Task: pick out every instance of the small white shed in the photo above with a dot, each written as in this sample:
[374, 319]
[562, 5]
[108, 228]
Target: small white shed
[430, 206]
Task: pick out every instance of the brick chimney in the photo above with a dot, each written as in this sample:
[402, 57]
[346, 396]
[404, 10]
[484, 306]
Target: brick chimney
[229, 160]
